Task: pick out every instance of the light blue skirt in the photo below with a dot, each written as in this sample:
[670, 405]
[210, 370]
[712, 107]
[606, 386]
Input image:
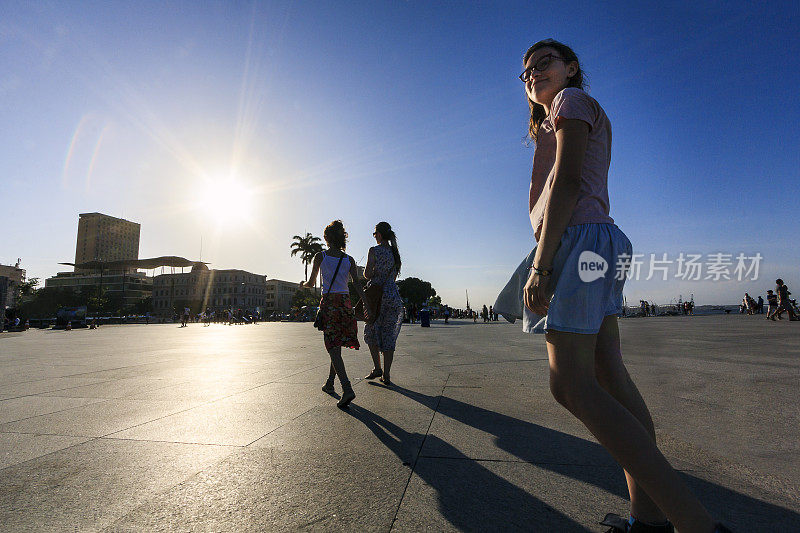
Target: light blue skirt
[589, 271]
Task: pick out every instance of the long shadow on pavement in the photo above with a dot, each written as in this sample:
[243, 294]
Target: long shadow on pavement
[471, 497]
[552, 450]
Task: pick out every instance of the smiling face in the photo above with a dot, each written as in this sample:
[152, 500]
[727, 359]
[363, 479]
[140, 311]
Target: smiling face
[543, 85]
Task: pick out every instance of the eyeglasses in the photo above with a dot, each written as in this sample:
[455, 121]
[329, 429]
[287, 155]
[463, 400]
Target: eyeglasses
[540, 66]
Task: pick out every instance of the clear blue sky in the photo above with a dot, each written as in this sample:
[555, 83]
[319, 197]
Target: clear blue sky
[408, 112]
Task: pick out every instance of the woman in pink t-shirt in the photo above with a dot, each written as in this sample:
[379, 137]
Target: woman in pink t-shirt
[574, 279]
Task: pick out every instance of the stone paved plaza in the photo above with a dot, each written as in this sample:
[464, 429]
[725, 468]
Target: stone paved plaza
[224, 428]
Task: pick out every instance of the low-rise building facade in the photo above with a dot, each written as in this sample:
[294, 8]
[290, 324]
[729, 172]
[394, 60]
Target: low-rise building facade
[132, 287]
[203, 288]
[15, 276]
[279, 295]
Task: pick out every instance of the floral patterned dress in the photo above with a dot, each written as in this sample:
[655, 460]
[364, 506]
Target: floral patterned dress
[384, 331]
[340, 321]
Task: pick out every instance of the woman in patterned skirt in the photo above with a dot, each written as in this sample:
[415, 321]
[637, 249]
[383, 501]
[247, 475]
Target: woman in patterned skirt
[383, 265]
[340, 319]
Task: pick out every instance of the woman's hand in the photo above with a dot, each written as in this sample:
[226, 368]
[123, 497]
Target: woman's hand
[536, 293]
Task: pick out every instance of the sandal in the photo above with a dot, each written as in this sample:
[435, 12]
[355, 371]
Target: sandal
[376, 373]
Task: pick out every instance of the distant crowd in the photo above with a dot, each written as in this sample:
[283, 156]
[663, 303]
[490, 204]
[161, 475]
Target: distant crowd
[778, 303]
[652, 309]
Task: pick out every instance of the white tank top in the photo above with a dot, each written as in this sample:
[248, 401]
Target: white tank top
[328, 267]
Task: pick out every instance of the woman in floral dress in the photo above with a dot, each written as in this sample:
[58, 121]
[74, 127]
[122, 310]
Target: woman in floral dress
[383, 265]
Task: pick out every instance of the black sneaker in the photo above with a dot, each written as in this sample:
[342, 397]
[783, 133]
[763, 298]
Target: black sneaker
[618, 524]
[347, 396]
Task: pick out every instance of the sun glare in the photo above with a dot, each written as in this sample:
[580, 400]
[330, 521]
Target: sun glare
[226, 201]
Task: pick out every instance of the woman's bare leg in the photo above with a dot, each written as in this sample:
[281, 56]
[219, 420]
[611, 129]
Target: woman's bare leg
[388, 356]
[612, 375]
[337, 364]
[574, 385]
[376, 356]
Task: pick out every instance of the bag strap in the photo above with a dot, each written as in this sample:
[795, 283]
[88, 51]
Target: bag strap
[335, 272]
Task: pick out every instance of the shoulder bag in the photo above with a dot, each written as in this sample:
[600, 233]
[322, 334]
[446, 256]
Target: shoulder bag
[373, 294]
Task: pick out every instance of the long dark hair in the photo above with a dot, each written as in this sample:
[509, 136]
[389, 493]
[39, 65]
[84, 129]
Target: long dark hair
[578, 80]
[385, 229]
[335, 235]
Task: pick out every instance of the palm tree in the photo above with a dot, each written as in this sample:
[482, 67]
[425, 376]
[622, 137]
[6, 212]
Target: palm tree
[307, 247]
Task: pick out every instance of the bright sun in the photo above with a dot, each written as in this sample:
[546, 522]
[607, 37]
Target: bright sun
[226, 201]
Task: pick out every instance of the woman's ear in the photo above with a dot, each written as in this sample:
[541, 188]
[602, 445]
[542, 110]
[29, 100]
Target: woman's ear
[572, 69]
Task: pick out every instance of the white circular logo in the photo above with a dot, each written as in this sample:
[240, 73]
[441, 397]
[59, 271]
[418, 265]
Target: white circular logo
[591, 266]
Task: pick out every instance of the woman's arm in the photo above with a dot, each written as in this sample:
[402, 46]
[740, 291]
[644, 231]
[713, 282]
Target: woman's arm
[354, 276]
[357, 285]
[314, 271]
[572, 137]
[369, 270]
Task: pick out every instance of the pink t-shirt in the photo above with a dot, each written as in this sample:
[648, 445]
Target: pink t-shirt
[592, 206]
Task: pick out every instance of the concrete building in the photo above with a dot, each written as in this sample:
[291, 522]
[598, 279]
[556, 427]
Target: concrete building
[279, 295]
[204, 288]
[5, 284]
[105, 238]
[15, 276]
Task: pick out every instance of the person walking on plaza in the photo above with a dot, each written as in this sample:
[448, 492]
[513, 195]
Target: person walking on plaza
[569, 212]
[484, 313]
[383, 266]
[340, 327]
[784, 305]
[772, 305]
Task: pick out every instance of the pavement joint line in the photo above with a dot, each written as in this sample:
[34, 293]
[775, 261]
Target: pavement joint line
[204, 403]
[237, 446]
[279, 427]
[99, 400]
[93, 372]
[89, 439]
[36, 434]
[355, 382]
[164, 491]
[419, 452]
[50, 391]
